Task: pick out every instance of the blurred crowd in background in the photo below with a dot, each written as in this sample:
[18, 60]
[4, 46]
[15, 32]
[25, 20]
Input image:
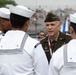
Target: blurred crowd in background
[37, 21]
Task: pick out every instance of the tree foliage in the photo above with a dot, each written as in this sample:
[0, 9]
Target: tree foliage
[5, 2]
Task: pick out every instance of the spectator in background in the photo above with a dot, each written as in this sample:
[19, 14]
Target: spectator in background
[19, 53]
[63, 61]
[41, 35]
[54, 38]
[4, 21]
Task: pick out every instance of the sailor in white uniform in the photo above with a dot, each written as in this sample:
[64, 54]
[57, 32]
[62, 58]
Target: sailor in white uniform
[63, 61]
[19, 53]
[4, 21]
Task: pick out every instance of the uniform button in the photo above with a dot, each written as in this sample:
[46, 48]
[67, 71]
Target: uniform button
[70, 58]
[60, 38]
[52, 44]
[17, 45]
[1, 46]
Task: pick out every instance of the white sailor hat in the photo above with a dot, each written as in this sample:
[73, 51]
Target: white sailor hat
[4, 13]
[73, 18]
[21, 10]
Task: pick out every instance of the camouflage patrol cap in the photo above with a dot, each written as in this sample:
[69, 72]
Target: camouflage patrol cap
[51, 17]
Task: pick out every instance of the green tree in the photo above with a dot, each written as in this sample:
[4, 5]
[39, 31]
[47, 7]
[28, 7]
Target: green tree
[6, 2]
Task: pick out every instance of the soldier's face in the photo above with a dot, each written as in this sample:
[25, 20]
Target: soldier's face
[52, 28]
[6, 25]
[41, 35]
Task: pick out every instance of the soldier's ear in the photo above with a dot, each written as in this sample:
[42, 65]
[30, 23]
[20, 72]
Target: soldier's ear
[2, 22]
[71, 30]
[26, 25]
[27, 22]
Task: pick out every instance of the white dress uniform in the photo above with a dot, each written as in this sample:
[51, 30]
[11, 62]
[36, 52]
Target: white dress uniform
[5, 15]
[20, 55]
[1, 35]
[63, 61]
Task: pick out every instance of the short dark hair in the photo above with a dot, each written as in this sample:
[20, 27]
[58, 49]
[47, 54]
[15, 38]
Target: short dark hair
[41, 32]
[51, 17]
[17, 21]
[73, 25]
